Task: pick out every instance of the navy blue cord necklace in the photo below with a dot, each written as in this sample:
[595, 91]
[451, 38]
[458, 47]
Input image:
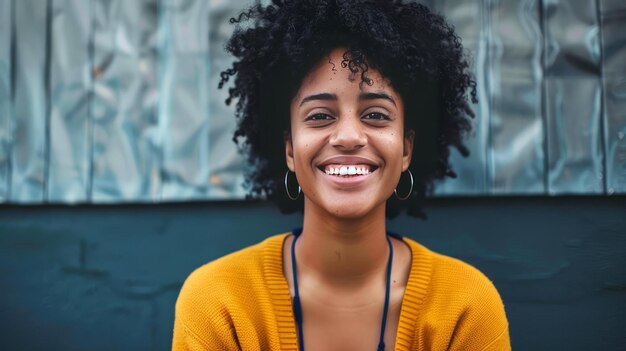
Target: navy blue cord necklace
[297, 308]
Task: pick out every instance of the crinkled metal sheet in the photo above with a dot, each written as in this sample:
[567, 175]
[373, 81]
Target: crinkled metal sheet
[468, 19]
[539, 124]
[161, 83]
[200, 160]
[183, 100]
[109, 101]
[126, 143]
[572, 97]
[506, 147]
[30, 114]
[6, 125]
[613, 14]
[516, 130]
[70, 86]
[227, 163]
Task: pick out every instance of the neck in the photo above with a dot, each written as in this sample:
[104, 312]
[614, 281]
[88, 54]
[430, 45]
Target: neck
[342, 252]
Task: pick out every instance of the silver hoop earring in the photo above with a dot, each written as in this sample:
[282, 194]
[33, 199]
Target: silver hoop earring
[287, 188]
[410, 190]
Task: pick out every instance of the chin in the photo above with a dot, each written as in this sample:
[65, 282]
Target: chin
[348, 213]
[349, 209]
[345, 204]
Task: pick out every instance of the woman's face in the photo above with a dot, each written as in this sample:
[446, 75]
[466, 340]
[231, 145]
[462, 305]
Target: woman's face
[347, 144]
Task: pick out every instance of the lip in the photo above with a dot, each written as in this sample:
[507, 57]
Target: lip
[347, 182]
[347, 160]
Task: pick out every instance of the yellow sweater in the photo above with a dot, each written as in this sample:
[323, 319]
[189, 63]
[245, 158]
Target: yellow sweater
[242, 302]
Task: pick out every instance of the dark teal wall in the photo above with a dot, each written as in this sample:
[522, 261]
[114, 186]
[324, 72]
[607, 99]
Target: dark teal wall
[107, 277]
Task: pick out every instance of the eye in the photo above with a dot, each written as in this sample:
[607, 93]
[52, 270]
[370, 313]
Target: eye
[319, 117]
[377, 116]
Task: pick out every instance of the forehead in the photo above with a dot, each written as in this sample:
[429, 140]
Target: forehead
[330, 76]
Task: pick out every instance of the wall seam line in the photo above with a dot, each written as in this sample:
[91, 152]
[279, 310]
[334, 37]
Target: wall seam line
[90, 102]
[603, 123]
[48, 102]
[13, 87]
[544, 92]
[489, 157]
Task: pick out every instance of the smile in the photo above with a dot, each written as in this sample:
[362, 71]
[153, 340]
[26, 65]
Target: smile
[348, 170]
[348, 176]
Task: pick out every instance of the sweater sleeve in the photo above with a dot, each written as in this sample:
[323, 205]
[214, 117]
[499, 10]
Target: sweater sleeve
[482, 325]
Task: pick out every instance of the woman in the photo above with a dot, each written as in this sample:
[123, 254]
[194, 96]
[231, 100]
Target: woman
[338, 103]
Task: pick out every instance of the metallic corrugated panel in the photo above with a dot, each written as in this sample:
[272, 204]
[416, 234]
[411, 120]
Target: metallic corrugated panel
[6, 125]
[572, 97]
[70, 85]
[126, 150]
[113, 101]
[613, 14]
[29, 151]
[515, 155]
[183, 100]
[226, 163]
[469, 20]
[197, 126]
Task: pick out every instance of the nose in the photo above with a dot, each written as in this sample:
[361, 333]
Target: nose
[348, 134]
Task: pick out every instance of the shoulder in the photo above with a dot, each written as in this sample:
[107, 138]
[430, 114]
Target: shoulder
[217, 287]
[451, 276]
[467, 297]
[228, 268]
[232, 270]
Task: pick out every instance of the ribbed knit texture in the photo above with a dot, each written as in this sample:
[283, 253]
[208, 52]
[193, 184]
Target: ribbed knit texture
[242, 302]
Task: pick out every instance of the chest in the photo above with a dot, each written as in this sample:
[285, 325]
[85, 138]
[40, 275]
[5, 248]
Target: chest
[330, 328]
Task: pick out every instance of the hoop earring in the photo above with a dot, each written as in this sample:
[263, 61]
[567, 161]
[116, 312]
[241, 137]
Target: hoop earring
[410, 190]
[287, 188]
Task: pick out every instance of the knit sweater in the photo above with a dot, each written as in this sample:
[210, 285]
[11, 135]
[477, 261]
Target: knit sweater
[242, 302]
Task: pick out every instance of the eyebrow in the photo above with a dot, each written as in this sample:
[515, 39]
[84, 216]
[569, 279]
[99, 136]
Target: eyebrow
[322, 96]
[362, 97]
[376, 96]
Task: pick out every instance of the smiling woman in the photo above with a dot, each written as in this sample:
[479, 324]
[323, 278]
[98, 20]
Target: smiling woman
[348, 96]
[341, 124]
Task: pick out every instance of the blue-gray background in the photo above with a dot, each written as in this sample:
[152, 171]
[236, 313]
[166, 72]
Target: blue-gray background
[106, 277]
[115, 102]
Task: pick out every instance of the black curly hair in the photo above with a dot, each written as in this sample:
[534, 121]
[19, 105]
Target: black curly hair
[277, 45]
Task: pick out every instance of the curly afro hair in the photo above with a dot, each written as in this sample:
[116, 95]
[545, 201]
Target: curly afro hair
[277, 45]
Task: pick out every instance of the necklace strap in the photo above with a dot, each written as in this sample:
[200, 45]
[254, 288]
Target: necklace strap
[297, 307]
[381, 343]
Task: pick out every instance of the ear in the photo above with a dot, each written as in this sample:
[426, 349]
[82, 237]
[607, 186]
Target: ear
[407, 152]
[289, 151]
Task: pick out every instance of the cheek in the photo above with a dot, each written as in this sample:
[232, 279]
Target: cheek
[394, 151]
[392, 142]
[303, 145]
[303, 148]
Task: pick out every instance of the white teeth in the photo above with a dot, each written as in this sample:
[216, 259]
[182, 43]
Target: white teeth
[348, 170]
